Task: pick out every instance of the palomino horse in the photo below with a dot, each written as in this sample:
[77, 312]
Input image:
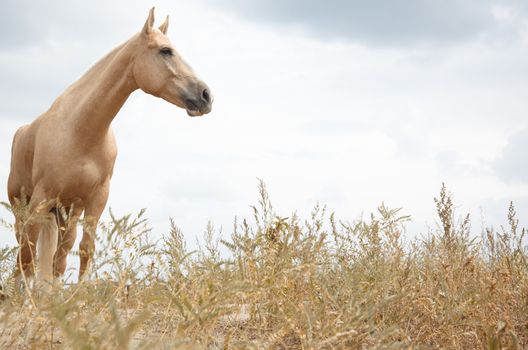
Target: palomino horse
[65, 157]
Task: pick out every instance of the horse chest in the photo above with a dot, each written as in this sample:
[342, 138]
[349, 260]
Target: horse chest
[90, 172]
[71, 168]
[80, 178]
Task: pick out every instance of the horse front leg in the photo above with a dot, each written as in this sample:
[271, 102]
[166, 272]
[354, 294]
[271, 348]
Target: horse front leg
[67, 236]
[46, 248]
[93, 209]
[28, 230]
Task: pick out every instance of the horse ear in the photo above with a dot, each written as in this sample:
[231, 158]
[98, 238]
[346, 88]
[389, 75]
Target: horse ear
[163, 28]
[149, 24]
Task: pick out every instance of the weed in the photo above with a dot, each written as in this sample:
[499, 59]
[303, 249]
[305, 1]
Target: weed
[286, 283]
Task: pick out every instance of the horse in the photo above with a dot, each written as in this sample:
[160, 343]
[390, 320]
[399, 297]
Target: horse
[65, 158]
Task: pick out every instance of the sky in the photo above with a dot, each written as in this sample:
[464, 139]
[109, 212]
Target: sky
[347, 103]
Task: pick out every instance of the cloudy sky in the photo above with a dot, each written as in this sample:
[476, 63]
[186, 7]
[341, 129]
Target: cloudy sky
[350, 103]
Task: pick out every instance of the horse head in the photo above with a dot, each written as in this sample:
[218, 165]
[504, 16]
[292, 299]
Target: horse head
[159, 70]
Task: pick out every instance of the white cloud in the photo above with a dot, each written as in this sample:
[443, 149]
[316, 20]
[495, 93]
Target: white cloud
[375, 22]
[511, 164]
[342, 123]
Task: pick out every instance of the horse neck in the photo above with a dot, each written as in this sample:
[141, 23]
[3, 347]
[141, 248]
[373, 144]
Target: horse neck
[96, 98]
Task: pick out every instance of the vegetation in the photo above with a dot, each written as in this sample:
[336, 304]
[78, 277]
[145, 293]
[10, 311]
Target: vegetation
[286, 284]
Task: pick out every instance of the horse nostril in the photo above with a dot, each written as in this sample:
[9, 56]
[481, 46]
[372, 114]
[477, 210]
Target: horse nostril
[206, 96]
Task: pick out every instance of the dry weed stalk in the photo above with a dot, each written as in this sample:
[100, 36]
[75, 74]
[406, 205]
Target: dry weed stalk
[286, 284]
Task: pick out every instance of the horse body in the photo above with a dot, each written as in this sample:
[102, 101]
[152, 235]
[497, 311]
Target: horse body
[65, 157]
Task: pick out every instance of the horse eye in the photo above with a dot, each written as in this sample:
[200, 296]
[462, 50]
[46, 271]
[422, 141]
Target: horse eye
[166, 51]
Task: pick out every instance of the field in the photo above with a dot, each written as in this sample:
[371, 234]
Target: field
[287, 283]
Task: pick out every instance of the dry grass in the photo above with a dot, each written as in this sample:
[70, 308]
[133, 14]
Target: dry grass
[287, 284]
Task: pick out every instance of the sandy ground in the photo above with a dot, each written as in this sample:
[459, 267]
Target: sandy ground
[22, 336]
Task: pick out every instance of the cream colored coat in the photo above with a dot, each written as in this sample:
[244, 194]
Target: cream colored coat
[65, 158]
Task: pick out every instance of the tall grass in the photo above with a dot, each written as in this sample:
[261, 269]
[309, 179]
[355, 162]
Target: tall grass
[288, 283]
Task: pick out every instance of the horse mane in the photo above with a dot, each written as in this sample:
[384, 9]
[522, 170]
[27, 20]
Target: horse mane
[101, 65]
